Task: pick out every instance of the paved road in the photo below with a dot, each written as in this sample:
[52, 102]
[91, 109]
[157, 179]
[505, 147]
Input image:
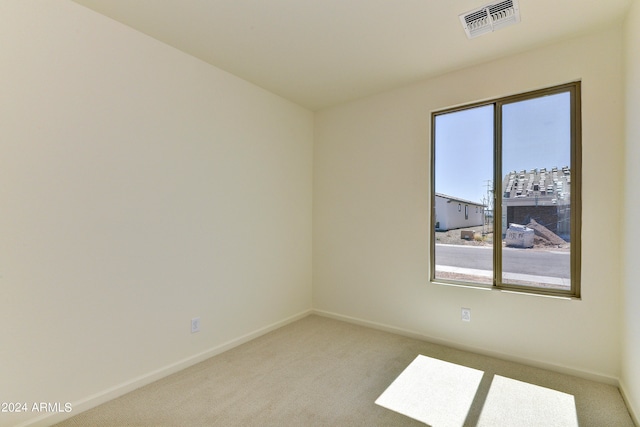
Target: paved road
[543, 263]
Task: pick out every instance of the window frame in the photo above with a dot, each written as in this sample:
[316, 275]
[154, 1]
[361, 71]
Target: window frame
[574, 89]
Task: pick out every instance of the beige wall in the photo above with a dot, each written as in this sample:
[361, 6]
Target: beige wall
[631, 209]
[139, 187]
[371, 212]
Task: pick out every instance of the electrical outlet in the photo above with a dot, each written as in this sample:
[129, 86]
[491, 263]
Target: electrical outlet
[195, 325]
[466, 314]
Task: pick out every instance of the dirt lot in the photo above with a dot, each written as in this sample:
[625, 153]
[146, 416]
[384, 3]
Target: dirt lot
[452, 237]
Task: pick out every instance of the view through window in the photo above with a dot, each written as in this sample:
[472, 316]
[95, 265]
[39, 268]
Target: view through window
[506, 193]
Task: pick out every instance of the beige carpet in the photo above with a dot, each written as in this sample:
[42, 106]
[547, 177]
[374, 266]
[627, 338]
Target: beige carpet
[322, 372]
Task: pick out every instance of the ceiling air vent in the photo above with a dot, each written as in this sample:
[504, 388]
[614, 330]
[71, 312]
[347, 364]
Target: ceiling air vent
[490, 18]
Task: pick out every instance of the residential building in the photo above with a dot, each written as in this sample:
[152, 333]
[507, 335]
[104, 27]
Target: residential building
[453, 212]
[539, 194]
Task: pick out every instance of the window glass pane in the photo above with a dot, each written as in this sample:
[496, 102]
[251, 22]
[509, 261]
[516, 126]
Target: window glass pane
[536, 195]
[463, 162]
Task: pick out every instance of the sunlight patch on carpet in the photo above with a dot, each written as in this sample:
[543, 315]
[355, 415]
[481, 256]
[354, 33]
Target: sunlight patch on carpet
[516, 403]
[433, 391]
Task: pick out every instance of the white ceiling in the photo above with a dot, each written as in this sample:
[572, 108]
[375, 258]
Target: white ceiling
[320, 53]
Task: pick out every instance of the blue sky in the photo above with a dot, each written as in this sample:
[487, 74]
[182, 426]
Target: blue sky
[536, 134]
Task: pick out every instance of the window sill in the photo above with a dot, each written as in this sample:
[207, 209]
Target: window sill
[507, 291]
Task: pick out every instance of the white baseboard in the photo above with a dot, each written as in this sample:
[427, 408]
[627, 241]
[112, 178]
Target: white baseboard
[632, 411]
[121, 389]
[593, 376]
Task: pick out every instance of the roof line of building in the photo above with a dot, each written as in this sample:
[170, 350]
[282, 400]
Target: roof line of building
[457, 199]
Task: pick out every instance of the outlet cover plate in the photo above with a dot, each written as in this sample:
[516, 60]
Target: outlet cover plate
[466, 314]
[195, 325]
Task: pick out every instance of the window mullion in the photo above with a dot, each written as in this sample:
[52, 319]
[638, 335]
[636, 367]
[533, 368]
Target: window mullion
[497, 195]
